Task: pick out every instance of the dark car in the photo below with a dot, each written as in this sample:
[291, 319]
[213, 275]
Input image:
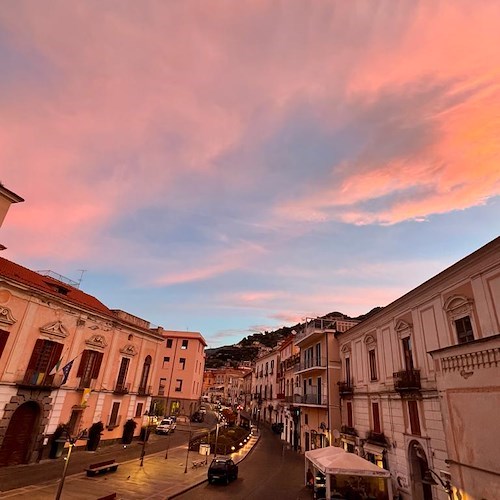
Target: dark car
[222, 469]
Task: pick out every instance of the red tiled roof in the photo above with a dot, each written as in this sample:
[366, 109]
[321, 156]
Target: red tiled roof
[50, 286]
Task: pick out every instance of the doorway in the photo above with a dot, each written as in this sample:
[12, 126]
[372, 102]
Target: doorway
[20, 437]
[418, 467]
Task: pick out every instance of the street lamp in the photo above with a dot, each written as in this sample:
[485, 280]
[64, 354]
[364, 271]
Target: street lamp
[72, 441]
[189, 442]
[428, 478]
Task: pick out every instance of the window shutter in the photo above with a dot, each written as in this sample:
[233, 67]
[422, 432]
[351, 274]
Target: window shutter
[97, 364]
[83, 363]
[3, 340]
[376, 418]
[36, 354]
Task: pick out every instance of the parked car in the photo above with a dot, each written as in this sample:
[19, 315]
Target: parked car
[222, 469]
[166, 426]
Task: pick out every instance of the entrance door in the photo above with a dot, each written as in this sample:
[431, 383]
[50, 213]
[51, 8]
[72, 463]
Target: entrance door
[419, 465]
[21, 433]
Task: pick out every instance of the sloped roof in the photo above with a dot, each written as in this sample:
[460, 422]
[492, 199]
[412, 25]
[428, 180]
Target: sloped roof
[51, 286]
[335, 460]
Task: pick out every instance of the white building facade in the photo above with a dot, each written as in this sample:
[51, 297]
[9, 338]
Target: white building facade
[392, 404]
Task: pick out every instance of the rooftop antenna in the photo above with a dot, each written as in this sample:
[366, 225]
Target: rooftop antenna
[82, 271]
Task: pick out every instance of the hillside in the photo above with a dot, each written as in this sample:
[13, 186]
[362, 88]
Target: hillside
[248, 348]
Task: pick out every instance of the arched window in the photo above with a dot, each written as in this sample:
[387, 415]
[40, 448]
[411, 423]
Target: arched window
[143, 386]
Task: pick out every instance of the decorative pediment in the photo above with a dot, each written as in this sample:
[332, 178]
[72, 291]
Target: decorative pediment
[97, 341]
[56, 329]
[129, 350]
[458, 305]
[370, 340]
[346, 348]
[6, 316]
[403, 329]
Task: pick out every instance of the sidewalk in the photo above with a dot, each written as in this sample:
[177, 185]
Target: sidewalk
[158, 478]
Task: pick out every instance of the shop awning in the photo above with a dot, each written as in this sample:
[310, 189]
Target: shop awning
[335, 460]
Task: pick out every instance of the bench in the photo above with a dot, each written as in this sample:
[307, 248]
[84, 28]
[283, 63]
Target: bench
[102, 467]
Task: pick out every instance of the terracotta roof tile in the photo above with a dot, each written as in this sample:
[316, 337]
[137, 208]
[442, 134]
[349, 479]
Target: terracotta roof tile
[51, 286]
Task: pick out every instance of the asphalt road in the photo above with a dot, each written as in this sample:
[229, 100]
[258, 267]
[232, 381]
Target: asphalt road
[269, 472]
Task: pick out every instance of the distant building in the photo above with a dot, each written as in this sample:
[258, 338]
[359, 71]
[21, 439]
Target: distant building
[288, 383]
[181, 364]
[316, 396]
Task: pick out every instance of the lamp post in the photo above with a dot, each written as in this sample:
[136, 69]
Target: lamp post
[72, 441]
[189, 442]
[428, 478]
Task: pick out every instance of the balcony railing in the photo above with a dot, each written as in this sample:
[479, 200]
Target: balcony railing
[123, 388]
[311, 397]
[145, 391]
[311, 364]
[315, 325]
[351, 431]
[288, 399]
[407, 380]
[280, 395]
[345, 388]
[376, 438]
[87, 384]
[34, 378]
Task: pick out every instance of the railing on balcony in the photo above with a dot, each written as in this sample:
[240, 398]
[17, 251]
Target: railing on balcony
[376, 438]
[311, 364]
[123, 388]
[34, 378]
[280, 396]
[288, 399]
[87, 383]
[407, 380]
[311, 397]
[145, 391]
[345, 388]
[315, 325]
[351, 431]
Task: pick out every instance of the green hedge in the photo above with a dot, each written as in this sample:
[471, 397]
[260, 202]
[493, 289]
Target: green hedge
[228, 437]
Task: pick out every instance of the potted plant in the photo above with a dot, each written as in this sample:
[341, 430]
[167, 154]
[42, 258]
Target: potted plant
[128, 431]
[95, 432]
[58, 441]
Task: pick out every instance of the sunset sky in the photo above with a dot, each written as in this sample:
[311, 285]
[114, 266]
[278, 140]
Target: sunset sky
[231, 167]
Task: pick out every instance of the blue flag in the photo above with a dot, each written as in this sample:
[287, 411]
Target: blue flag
[66, 369]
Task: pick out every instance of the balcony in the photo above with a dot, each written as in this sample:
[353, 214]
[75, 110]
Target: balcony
[311, 397]
[35, 379]
[376, 438]
[345, 388]
[122, 388]
[145, 391]
[311, 364]
[87, 384]
[280, 396]
[407, 380]
[350, 431]
[313, 327]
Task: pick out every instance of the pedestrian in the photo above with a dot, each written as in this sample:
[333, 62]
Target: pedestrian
[310, 478]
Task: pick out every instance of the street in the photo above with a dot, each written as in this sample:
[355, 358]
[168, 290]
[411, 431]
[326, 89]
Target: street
[269, 471]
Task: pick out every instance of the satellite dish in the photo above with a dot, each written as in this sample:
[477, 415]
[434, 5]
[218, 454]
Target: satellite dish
[336, 433]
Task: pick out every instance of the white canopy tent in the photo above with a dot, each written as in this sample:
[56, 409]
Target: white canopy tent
[348, 471]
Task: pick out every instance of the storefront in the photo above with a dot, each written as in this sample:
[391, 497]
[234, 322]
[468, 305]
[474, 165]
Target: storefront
[339, 475]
